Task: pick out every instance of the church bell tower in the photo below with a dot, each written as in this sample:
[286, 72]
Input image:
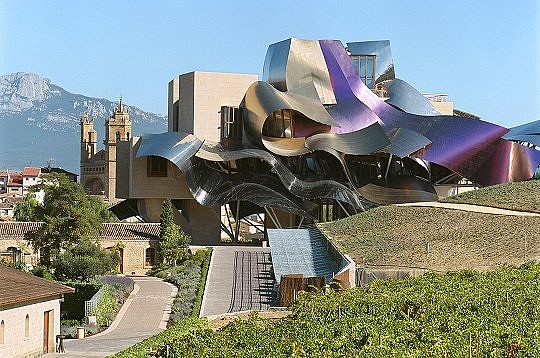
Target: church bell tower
[117, 128]
[88, 138]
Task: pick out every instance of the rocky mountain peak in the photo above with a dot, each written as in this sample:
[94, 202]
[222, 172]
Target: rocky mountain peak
[18, 91]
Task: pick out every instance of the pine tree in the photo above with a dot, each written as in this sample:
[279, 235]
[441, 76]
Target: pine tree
[174, 242]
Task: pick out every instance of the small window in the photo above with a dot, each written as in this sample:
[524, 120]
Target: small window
[365, 66]
[27, 327]
[117, 136]
[156, 166]
[279, 124]
[2, 328]
[149, 257]
[127, 135]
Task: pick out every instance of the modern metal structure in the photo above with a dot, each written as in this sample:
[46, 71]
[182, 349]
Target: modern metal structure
[329, 132]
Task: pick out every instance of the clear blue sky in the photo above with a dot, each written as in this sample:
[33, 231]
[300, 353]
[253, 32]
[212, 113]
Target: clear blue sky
[485, 54]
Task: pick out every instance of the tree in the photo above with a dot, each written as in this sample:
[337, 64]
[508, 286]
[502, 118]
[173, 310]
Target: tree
[84, 261]
[166, 218]
[26, 209]
[68, 216]
[174, 242]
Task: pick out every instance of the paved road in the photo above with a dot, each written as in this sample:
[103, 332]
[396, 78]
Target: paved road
[470, 207]
[240, 278]
[144, 314]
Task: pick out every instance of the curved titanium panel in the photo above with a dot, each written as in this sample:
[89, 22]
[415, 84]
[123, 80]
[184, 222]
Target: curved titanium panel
[176, 147]
[261, 100]
[305, 190]
[403, 189]
[384, 69]
[458, 143]
[405, 97]
[510, 162]
[287, 147]
[405, 142]
[292, 63]
[211, 187]
[214, 188]
[362, 142]
[528, 132]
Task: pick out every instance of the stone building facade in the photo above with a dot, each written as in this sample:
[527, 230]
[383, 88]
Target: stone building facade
[98, 168]
[138, 244]
[29, 314]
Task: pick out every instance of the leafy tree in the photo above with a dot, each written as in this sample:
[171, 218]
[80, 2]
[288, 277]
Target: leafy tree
[84, 260]
[69, 216]
[174, 242]
[26, 209]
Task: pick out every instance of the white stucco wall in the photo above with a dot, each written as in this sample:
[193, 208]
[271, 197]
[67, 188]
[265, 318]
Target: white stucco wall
[15, 342]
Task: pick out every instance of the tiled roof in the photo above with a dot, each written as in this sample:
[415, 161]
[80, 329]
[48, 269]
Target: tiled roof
[113, 231]
[31, 172]
[131, 231]
[19, 287]
[6, 205]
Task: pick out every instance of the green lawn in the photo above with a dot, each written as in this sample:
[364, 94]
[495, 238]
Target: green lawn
[392, 235]
[523, 196]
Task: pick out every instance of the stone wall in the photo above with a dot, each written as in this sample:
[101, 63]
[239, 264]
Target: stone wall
[15, 342]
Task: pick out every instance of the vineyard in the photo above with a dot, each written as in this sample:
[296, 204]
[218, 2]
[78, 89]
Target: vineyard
[439, 239]
[524, 196]
[460, 314]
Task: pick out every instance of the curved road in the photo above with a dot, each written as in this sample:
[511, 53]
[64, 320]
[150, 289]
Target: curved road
[144, 314]
[470, 207]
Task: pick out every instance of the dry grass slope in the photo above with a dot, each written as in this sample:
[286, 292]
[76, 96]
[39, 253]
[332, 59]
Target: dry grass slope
[399, 236]
[523, 196]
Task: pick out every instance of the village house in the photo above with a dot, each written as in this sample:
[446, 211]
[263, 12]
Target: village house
[30, 178]
[29, 313]
[137, 243]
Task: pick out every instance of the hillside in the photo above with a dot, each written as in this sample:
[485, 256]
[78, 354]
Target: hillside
[392, 235]
[40, 120]
[461, 314]
[523, 196]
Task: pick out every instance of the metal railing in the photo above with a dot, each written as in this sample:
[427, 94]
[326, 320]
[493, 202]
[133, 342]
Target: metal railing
[90, 306]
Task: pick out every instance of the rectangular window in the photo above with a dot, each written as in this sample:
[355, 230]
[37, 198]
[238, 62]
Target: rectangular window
[156, 166]
[365, 67]
[149, 257]
[279, 124]
[231, 125]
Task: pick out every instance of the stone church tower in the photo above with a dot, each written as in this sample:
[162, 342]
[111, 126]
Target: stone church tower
[88, 139]
[117, 128]
[98, 169]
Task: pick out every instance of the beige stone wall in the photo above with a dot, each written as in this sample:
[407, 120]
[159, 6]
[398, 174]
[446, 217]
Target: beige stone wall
[186, 104]
[29, 256]
[200, 96]
[174, 96]
[15, 342]
[211, 91]
[134, 254]
[142, 186]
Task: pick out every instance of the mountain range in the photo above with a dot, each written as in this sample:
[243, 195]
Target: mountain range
[39, 122]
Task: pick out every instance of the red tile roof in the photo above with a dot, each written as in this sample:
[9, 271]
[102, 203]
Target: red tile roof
[113, 231]
[19, 287]
[31, 172]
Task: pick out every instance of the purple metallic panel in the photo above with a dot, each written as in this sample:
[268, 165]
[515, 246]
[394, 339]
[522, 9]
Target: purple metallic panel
[459, 143]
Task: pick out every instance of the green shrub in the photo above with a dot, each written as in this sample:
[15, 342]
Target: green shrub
[43, 272]
[205, 265]
[73, 304]
[68, 327]
[106, 308]
[151, 345]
